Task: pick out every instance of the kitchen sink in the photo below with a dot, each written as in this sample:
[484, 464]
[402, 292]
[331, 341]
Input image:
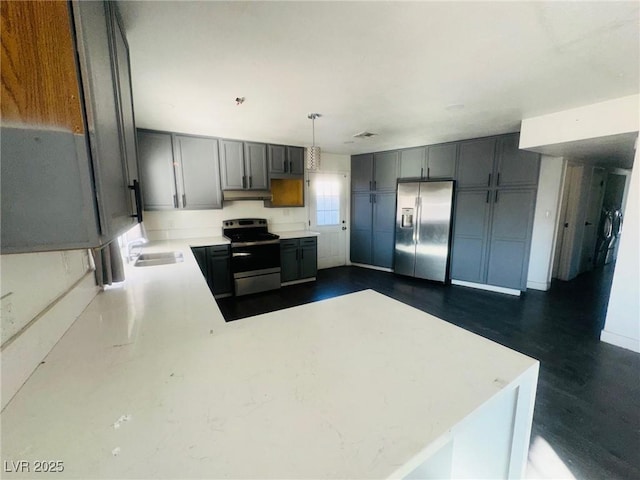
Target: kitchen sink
[160, 258]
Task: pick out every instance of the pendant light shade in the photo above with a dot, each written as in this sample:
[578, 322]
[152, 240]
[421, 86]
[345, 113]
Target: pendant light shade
[313, 152]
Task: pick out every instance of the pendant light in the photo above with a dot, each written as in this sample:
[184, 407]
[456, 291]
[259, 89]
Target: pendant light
[313, 152]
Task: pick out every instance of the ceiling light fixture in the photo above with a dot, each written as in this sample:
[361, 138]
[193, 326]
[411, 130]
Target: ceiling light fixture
[313, 152]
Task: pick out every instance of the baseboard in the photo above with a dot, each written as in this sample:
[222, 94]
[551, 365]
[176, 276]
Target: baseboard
[544, 286]
[629, 343]
[21, 355]
[372, 267]
[490, 288]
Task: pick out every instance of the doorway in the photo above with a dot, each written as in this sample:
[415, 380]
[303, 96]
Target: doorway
[328, 194]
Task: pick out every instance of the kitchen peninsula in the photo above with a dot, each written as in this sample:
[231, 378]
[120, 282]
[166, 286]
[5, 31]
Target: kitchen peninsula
[150, 382]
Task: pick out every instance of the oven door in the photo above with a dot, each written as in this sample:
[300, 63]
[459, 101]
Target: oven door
[254, 259]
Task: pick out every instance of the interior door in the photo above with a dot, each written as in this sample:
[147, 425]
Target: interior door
[590, 235]
[328, 216]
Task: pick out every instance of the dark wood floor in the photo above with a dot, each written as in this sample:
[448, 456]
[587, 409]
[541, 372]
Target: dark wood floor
[588, 401]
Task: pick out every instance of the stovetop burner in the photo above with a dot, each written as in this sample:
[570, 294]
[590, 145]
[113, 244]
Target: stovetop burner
[243, 230]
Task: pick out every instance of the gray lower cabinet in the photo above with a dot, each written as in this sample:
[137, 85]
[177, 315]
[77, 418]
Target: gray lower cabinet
[179, 171]
[298, 259]
[492, 236]
[372, 228]
[470, 235]
[509, 247]
[215, 264]
[243, 165]
[69, 158]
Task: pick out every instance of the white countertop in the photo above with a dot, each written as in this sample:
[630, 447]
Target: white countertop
[150, 382]
[296, 234]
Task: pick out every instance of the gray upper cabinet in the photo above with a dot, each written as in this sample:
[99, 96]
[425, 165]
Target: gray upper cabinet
[277, 159]
[362, 172]
[255, 157]
[515, 167]
[434, 162]
[66, 177]
[385, 171]
[475, 163]
[179, 171]
[296, 160]
[156, 168]
[441, 161]
[285, 161]
[243, 165]
[412, 161]
[199, 172]
[232, 165]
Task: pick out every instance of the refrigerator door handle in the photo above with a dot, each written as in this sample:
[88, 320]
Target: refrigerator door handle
[418, 218]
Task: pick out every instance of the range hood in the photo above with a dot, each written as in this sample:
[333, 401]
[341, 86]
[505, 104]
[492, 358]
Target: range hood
[228, 195]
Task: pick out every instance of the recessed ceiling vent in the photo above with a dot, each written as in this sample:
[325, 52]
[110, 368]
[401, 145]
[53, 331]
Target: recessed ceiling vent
[364, 134]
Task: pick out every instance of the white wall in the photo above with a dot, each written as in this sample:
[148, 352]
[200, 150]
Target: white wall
[32, 281]
[613, 117]
[42, 295]
[545, 222]
[622, 326]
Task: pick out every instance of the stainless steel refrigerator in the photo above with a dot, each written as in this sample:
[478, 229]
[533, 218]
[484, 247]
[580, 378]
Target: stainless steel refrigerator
[423, 229]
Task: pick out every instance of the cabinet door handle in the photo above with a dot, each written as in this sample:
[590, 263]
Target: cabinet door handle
[184, 200]
[290, 166]
[250, 181]
[285, 166]
[244, 182]
[375, 185]
[428, 172]
[496, 196]
[175, 201]
[421, 170]
[138, 199]
[301, 254]
[489, 181]
[488, 193]
[370, 185]
[498, 179]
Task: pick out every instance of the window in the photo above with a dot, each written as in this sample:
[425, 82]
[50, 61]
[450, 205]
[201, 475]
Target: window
[327, 203]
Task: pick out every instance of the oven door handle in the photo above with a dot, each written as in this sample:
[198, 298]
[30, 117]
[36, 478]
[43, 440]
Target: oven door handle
[241, 254]
[251, 244]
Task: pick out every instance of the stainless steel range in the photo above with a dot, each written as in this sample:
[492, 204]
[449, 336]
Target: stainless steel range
[255, 255]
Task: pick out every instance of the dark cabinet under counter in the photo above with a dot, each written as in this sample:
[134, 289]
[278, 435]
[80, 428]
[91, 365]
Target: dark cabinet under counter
[298, 260]
[215, 263]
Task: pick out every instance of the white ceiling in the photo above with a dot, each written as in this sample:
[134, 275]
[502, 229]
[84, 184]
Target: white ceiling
[414, 73]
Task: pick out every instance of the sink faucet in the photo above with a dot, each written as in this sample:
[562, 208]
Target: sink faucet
[138, 242]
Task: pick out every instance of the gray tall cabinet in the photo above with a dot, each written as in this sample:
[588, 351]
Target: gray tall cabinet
[493, 218]
[373, 199]
[496, 185]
